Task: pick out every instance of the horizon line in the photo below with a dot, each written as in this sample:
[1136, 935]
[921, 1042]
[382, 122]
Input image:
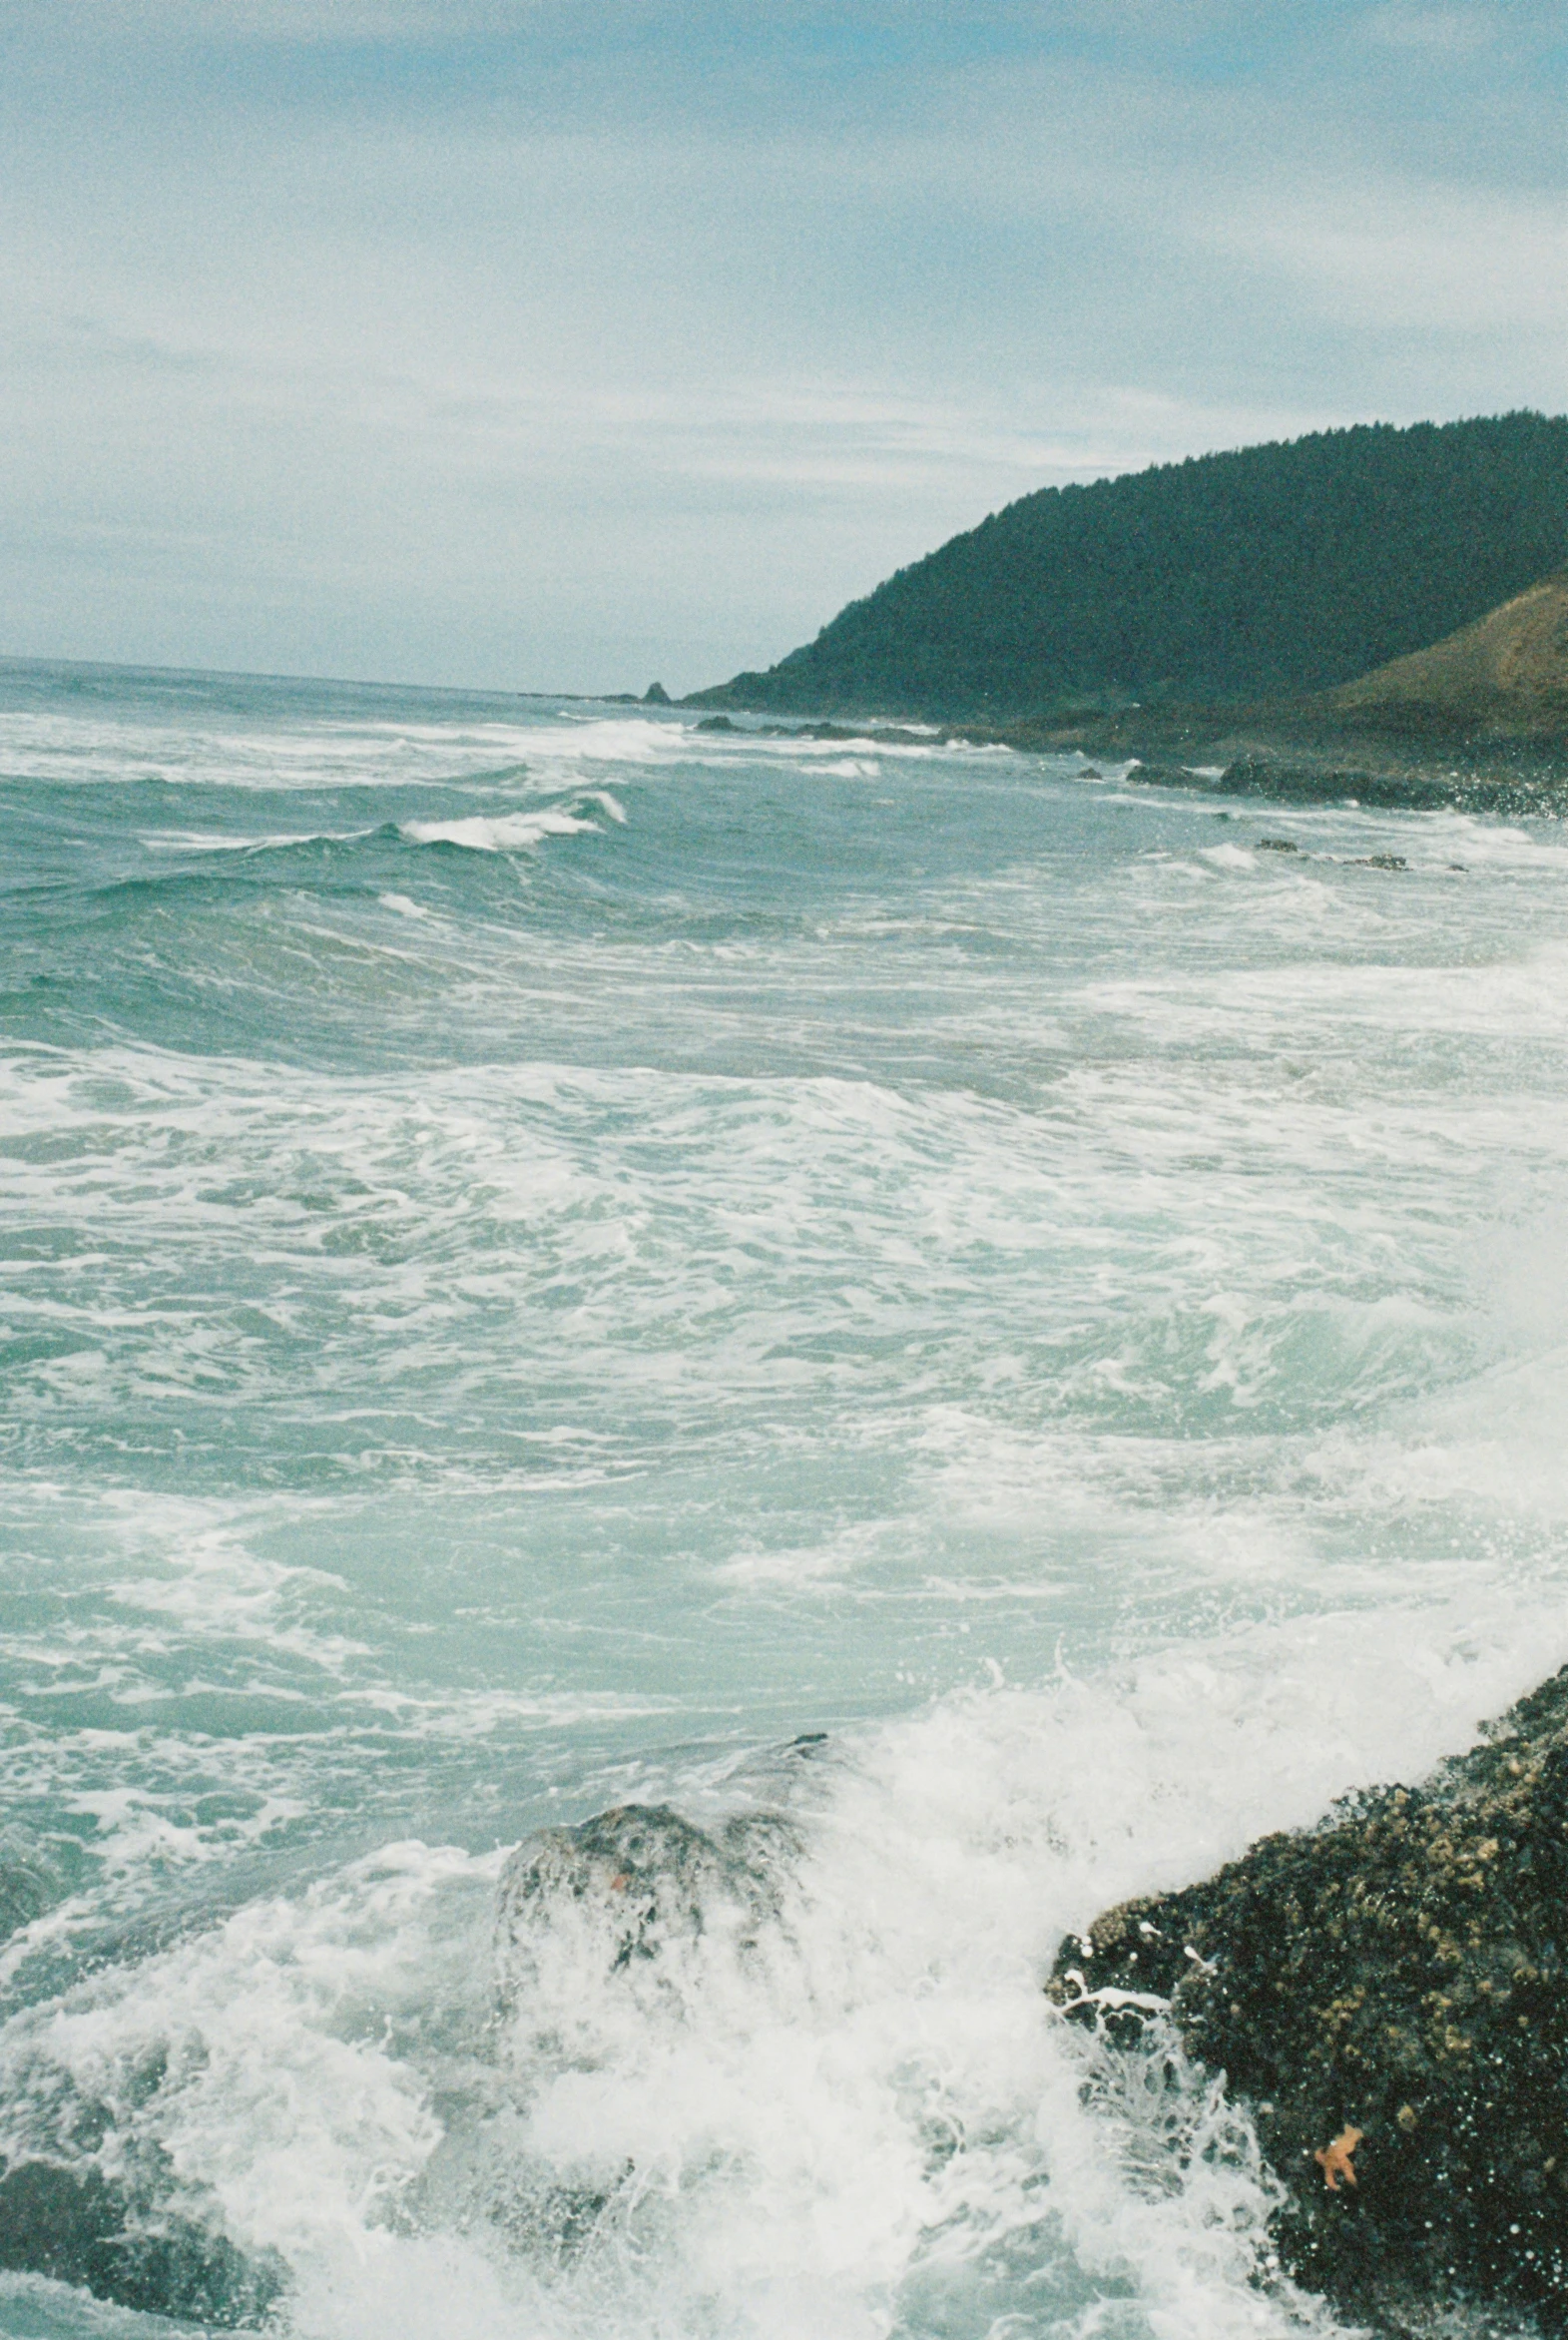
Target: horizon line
[245, 673]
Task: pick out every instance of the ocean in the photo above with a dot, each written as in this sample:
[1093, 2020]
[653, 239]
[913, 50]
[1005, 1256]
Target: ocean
[554, 1260]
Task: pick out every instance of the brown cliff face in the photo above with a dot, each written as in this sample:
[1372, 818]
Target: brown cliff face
[1403, 1972]
[1509, 672]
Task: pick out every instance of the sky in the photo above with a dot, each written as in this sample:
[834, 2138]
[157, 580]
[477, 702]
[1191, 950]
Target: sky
[567, 344]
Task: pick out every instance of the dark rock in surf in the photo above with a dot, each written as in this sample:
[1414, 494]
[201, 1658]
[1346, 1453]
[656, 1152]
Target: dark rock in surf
[1403, 1970]
[634, 1883]
[631, 1917]
[27, 1889]
[116, 2240]
[75, 2226]
[656, 695]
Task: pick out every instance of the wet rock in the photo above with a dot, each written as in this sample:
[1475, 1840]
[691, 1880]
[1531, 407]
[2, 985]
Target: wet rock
[73, 2225]
[717, 723]
[1276, 845]
[1295, 783]
[27, 1888]
[634, 1884]
[1401, 1971]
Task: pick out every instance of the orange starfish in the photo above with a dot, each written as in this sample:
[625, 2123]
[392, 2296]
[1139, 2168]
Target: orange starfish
[1335, 2160]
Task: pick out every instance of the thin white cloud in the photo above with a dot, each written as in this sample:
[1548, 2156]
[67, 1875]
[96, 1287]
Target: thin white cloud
[1450, 32]
[1405, 257]
[294, 21]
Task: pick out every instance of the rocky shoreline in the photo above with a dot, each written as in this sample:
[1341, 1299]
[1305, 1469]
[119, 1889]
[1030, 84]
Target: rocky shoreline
[1216, 753]
[1385, 1994]
[1388, 1996]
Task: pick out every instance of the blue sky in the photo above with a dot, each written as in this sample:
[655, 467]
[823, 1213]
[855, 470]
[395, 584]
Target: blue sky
[545, 344]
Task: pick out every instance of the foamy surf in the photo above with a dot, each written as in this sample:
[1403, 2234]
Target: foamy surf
[507, 833]
[990, 1329]
[846, 2108]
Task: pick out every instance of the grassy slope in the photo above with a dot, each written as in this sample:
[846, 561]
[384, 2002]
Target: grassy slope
[1505, 675]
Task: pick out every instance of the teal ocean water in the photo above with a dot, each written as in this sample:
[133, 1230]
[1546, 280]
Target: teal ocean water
[550, 1258]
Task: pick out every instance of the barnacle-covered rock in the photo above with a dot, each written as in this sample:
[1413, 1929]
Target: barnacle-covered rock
[1401, 1969]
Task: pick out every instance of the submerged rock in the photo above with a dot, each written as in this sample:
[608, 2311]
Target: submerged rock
[75, 2226]
[27, 1889]
[632, 1884]
[1400, 1972]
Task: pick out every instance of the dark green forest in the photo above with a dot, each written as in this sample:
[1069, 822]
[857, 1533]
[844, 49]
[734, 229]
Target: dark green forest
[1275, 569]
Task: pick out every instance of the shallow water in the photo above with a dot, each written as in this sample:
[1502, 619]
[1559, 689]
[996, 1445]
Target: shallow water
[548, 1256]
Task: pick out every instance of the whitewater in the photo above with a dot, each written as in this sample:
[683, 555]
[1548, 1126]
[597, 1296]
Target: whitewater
[992, 1313]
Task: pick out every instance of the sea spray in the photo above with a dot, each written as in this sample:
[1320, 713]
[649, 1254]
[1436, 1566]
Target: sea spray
[963, 1315]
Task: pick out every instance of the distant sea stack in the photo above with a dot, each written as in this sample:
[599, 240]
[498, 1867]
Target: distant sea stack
[1271, 572]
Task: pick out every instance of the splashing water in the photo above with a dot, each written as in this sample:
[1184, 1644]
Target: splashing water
[948, 1338]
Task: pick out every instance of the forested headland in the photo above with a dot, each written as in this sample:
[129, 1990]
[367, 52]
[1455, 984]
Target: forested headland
[1273, 570]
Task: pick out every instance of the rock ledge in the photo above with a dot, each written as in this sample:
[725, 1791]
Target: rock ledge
[1399, 1971]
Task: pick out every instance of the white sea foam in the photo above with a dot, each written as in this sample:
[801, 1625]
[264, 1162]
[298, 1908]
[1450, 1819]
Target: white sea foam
[1230, 857]
[506, 833]
[204, 841]
[992, 1268]
[312, 753]
[867, 2109]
